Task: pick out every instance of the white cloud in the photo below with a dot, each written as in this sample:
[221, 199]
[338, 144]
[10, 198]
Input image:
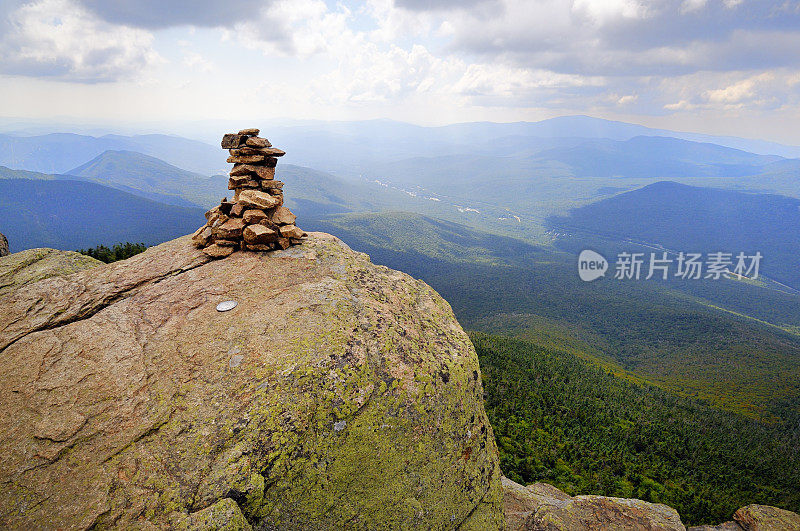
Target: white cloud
[604, 11]
[375, 74]
[682, 105]
[627, 99]
[368, 66]
[292, 27]
[197, 62]
[690, 6]
[394, 24]
[736, 93]
[494, 59]
[60, 39]
[510, 82]
[768, 90]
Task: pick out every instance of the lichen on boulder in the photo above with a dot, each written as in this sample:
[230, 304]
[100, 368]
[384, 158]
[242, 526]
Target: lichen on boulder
[29, 266]
[766, 518]
[543, 507]
[336, 394]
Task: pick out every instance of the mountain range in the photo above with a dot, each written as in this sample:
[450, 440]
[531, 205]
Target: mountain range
[60, 152]
[503, 178]
[152, 178]
[71, 215]
[331, 146]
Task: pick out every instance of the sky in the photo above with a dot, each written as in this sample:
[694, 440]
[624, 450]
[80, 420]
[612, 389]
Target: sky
[712, 66]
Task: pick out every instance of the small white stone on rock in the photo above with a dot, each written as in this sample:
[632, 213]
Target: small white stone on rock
[224, 306]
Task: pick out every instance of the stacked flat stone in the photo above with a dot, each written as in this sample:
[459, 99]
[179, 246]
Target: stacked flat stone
[255, 220]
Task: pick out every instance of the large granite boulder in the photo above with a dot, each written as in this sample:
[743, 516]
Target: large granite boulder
[766, 518]
[542, 507]
[3, 245]
[336, 394]
[757, 518]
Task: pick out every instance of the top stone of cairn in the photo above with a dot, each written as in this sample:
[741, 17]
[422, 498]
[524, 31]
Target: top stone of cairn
[249, 139]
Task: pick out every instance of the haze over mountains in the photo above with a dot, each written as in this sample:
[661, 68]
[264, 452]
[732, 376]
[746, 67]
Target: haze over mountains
[336, 146]
[61, 152]
[503, 177]
[148, 176]
[511, 179]
[471, 183]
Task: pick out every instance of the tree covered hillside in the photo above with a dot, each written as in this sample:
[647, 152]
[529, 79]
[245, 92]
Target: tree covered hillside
[561, 420]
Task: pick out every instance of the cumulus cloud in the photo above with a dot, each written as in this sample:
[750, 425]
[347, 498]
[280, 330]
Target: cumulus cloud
[603, 11]
[629, 37]
[384, 75]
[57, 38]
[362, 65]
[370, 65]
[503, 85]
[692, 5]
[770, 90]
[730, 4]
[658, 56]
[197, 62]
[294, 27]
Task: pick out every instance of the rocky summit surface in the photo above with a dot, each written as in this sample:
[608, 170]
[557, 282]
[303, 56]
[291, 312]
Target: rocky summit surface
[543, 507]
[766, 518]
[337, 393]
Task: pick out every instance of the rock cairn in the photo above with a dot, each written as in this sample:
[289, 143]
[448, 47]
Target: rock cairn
[256, 219]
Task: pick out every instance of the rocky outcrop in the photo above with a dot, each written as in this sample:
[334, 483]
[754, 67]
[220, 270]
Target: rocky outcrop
[335, 394]
[3, 245]
[543, 507]
[764, 517]
[725, 526]
[26, 267]
[757, 518]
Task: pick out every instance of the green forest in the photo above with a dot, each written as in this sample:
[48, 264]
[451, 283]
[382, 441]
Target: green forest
[118, 251]
[562, 420]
